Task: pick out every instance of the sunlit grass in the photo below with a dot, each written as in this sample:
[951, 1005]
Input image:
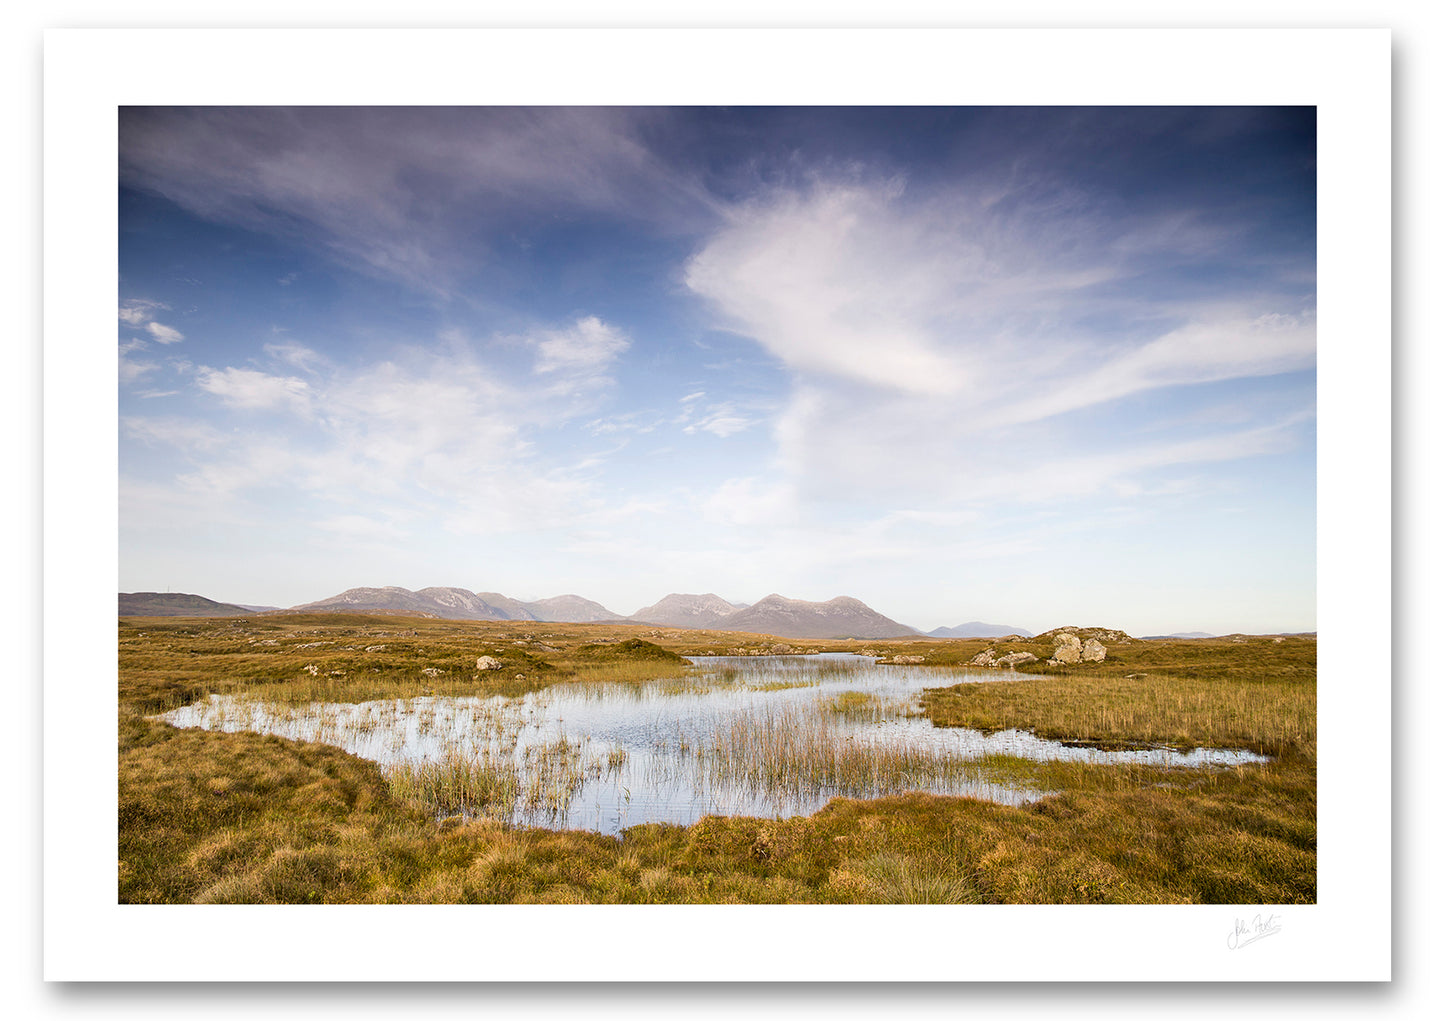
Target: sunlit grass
[215, 817]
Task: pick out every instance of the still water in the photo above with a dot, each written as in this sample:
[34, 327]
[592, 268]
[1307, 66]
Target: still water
[770, 736]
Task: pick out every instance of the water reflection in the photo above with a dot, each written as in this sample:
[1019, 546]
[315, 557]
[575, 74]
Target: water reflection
[766, 736]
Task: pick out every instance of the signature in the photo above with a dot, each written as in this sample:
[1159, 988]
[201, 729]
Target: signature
[1258, 928]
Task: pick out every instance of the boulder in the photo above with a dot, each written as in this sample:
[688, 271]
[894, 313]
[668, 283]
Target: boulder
[1014, 658]
[1067, 648]
[488, 663]
[984, 658]
[1094, 651]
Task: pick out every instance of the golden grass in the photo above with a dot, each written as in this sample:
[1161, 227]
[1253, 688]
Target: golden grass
[1267, 715]
[237, 817]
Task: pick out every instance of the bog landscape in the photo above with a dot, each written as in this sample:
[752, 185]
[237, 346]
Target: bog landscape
[975, 445]
[441, 746]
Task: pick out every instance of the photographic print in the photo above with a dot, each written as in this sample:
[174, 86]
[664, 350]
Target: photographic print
[717, 505]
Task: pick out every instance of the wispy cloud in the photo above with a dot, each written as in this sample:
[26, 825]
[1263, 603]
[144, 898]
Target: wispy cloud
[139, 311]
[296, 355]
[920, 329]
[445, 429]
[586, 346]
[141, 314]
[163, 334]
[252, 390]
[404, 194]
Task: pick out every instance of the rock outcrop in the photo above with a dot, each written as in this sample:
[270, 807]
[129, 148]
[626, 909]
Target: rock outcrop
[1015, 658]
[1067, 649]
[1093, 651]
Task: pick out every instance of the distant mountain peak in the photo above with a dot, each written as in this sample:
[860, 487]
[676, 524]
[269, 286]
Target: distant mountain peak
[978, 629]
[839, 617]
[174, 604]
[681, 609]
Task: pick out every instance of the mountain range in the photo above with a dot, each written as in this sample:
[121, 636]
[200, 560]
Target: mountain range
[175, 604]
[459, 604]
[841, 617]
[978, 629]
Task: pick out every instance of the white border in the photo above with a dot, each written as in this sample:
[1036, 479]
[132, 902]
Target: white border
[88, 73]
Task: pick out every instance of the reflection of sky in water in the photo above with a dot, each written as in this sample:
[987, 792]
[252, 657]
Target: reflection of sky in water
[661, 725]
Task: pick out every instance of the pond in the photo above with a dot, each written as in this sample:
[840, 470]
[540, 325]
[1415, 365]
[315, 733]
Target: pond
[770, 736]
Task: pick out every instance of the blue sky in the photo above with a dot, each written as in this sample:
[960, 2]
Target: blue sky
[1030, 366]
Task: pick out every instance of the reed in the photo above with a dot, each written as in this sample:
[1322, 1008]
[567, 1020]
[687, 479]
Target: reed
[470, 784]
[1264, 714]
[791, 751]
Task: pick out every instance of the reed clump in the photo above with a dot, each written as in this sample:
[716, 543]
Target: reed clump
[790, 750]
[469, 784]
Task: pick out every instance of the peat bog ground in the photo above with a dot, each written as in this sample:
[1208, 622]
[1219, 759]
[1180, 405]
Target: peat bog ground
[490, 814]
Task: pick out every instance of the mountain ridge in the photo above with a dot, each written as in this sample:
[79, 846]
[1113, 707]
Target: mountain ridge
[775, 614]
[978, 629]
[682, 609]
[839, 617]
[175, 604]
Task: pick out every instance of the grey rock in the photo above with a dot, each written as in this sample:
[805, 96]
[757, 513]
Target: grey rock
[1067, 648]
[1094, 651]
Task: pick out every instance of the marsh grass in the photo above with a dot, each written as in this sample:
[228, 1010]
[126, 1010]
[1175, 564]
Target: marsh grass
[218, 817]
[785, 751]
[1263, 715]
[867, 707]
[206, 816]
[896, 879]
[469, 784]
[304, 658]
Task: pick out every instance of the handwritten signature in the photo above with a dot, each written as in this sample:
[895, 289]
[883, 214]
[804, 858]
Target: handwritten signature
[1246, 933]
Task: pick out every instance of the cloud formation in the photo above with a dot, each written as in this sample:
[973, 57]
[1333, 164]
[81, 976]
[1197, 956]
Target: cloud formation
[446, 431]
[586, 346]
[252, 389]
[417, 195]
[919, 329]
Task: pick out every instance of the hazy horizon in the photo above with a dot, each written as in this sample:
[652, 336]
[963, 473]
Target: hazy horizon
[1025, 366]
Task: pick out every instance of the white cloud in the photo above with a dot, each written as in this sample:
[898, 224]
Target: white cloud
[435, 431]
[933, 339]
[129, 371]
[722, 420]
[163, 334]
[253, 390]
[834, 281]
[139, 311]
[186, 434]
[587, 346]
[1198, 352]
[297, 355]
[141, 314]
